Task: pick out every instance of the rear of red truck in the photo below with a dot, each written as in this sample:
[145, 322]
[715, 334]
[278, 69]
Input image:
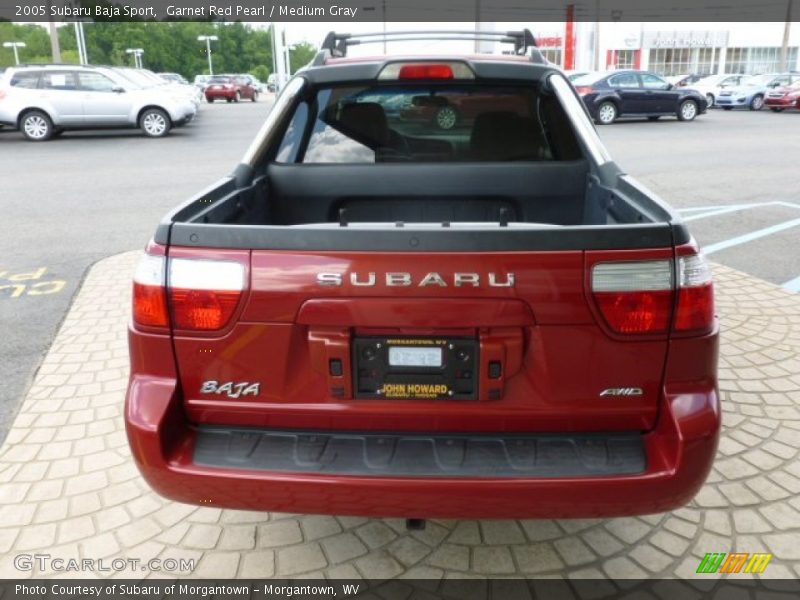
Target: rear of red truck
[378, 315]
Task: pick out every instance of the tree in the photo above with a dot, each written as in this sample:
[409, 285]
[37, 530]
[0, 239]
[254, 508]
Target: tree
[300, 55]
[36, 39]
[168, 46]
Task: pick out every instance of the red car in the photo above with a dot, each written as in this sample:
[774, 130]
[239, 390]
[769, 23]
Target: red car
[484, 322]
[781, 98]
[448, 110]
[231, 88]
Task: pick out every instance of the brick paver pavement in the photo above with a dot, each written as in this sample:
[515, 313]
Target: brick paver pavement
[68, 486]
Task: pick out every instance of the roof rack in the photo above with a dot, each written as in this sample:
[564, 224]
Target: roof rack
[50, 64]
[336, 44]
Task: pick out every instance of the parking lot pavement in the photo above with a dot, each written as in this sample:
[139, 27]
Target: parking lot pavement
[68, 486]
[87, 195]
[732, 175]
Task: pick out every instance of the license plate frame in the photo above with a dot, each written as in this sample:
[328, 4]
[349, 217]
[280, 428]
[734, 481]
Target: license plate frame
[456, 378]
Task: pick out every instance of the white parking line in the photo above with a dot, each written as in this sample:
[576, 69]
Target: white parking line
[726, 210]
[694, 208]
[793, 285]
[749, 237]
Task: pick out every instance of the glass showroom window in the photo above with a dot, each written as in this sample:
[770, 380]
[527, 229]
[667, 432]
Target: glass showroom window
[626, 59]
[671, 61]
[706, 61]
[759, 60]
[553, 55]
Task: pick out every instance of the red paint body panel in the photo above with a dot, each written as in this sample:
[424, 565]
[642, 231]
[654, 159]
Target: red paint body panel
[680, 452]
[557, 355]
[790, 97]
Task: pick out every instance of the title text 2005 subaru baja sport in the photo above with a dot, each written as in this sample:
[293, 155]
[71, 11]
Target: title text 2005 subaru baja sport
[427, 291]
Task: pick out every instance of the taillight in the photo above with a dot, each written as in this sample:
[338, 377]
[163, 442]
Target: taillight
[634, 297]
[426, 70]
[695, 309]
[2, 94]
[584, 89]
[204, 294]
[149, 299]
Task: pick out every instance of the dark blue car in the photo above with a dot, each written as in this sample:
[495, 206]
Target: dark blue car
[621, 94]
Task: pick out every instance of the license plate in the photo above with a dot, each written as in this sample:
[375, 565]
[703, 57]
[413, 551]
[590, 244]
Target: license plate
[415, 368]
[403, 356]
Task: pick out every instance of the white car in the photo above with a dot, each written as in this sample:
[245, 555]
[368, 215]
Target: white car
[711, 86]
[146, 78]
[46, 100]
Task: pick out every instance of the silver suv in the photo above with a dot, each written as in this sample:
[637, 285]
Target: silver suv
[43, 101]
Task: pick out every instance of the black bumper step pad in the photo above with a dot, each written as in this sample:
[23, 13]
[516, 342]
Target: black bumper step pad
[421, 455]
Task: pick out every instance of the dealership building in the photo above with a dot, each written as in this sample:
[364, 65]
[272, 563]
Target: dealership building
[670, 48]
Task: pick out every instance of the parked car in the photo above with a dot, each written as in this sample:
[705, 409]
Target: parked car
[231, 88]
[447, 109]
[712, 85]
[781, 98]
[684, 80]
[254, 81]
[147, 79]
[173, 78]
[573, 75]
[752, 91]
[611, 95]
[200, 81]
[488, 322]
[46, 100]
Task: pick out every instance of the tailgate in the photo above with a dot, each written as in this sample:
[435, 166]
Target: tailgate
[427, 342]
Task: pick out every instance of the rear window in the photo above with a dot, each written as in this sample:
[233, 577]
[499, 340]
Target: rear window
[430, 123]
[25, 79]
[219, 80]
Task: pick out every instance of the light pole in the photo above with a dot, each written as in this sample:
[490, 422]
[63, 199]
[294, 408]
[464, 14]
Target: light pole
[14, 45]
[137, 56]
[208, 39]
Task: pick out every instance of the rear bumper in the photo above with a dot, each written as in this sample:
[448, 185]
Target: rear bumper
[782, 102]
[679, 453]
[220, 94]
[731, 101]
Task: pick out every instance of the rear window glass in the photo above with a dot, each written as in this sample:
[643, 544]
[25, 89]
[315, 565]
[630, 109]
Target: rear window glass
[434, 123]
[27, 79]
[219, 80]
[588, 79]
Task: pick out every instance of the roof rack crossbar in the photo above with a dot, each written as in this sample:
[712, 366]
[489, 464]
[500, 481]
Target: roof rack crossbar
[336, 44]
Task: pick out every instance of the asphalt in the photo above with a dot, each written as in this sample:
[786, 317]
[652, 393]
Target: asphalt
[70, 202]
[73, 201]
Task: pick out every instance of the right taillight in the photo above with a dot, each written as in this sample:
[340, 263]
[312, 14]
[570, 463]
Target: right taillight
[695, 306]
[634, 297]
[584, 89]
[638, 297]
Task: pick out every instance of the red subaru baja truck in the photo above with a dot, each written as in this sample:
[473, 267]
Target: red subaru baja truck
[378, 316]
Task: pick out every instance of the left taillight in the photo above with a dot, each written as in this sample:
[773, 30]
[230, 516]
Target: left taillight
[204, 294]
[149, 292]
